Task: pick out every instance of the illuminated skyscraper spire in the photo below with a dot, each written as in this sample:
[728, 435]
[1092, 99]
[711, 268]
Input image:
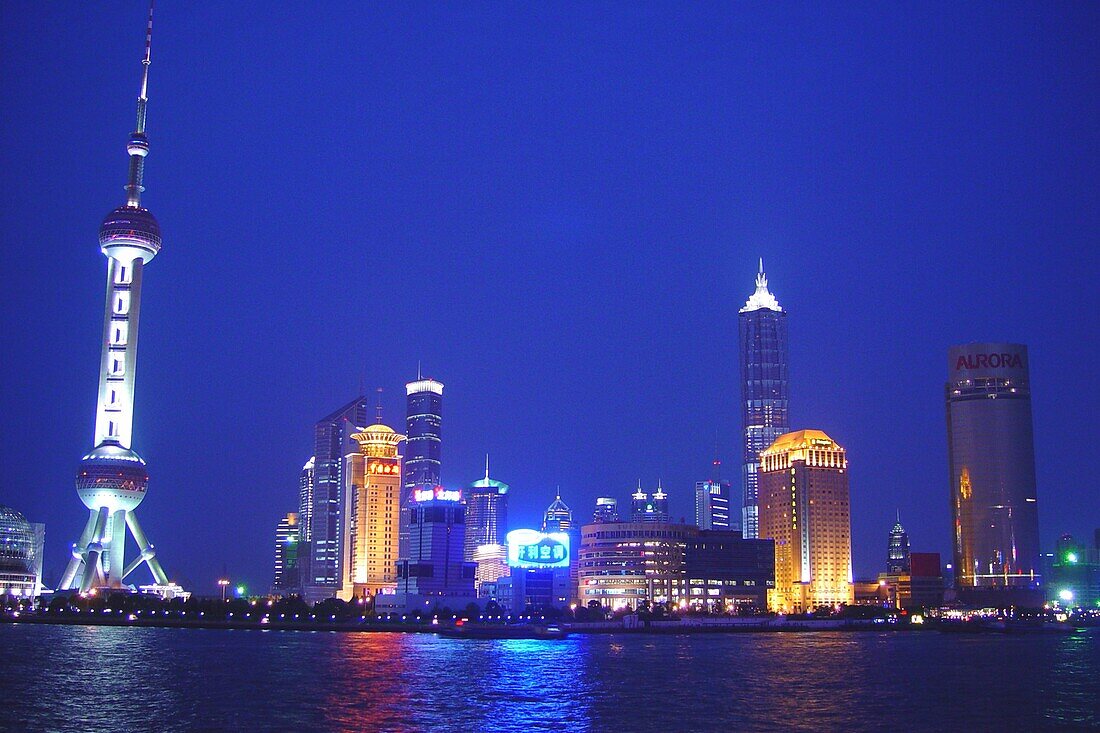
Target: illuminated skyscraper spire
[112, 479]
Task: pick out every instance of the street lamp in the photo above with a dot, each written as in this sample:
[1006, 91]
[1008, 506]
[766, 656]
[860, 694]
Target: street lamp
[224, 583]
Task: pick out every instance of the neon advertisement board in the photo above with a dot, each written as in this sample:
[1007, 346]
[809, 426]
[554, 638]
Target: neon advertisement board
[528, 548]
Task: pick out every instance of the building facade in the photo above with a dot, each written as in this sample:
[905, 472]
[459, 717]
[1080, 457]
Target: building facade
[991, 458]
[287, 543]
[804, 507]
[323, 567]
[712, 504]
[424, 428]
[607, 510]
[486, 514]
[623, 564]
[1075, 574]
[723, 572]
[433, 573]
[20, 556]
[372, 500]
[897, 549]
[762, 356]
[646, 507]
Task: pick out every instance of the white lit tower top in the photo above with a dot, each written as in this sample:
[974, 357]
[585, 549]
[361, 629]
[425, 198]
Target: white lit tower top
[112, 478]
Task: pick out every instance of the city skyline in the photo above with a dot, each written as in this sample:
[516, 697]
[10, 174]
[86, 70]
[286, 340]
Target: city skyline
[866, 352]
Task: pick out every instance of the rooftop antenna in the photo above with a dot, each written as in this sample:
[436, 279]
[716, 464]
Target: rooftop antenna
[486, 466]
[378, 407]
[138, 146]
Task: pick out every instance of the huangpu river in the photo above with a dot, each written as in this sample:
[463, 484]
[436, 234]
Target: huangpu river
[77, 678]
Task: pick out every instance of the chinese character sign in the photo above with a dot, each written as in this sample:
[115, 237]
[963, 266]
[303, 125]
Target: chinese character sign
[528, 548]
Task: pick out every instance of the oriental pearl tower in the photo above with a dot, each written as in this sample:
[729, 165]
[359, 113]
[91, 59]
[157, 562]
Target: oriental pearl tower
[112, 479]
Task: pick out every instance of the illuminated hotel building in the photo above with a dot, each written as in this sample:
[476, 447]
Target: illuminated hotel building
[323, 564]
[712, 501]
[804, 507]
[625, 563]
[372, 505]
[486, 514]
[991, 458]
[286, 554]
[762, 326]
[112, 479]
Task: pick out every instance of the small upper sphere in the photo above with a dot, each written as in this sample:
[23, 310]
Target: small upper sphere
[128, 233]
[138, 144]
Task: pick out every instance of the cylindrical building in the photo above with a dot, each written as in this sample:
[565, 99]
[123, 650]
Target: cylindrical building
[991, 458]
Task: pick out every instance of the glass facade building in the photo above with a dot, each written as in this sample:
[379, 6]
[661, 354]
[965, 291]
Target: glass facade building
[323, 567]
[991, 459]
[762, 327]
[712, 504]
[486, 514]
[897, 549]
[423, 428]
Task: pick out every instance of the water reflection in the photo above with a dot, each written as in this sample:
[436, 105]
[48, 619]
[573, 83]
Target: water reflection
[76, 678]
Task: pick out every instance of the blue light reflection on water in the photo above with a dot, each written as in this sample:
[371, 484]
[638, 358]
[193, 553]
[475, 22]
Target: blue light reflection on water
[79, 678]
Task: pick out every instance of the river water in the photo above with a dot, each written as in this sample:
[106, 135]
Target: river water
[137, 679]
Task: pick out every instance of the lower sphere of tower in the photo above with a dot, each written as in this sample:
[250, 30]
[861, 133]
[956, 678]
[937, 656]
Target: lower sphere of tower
[112, 483]
[130, 233]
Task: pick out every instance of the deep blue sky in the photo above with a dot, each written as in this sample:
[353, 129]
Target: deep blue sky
[558, 209]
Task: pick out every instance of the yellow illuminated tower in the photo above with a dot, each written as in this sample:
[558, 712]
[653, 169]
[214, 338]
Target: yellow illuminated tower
[372, 506]
[805, 508]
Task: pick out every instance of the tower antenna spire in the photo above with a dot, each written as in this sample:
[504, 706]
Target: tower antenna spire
[486, 466]
[378, 407]
[138, 146]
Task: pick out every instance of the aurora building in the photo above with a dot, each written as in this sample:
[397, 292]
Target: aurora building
[486, 515]
[991, 459]
[762, 327]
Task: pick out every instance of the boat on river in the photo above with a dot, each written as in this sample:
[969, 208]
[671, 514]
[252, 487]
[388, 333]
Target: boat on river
[503, 631]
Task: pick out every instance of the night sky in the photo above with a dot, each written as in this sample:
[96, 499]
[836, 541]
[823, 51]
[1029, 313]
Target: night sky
[558, 210]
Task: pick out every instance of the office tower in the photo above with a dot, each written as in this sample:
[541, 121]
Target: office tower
[649, 507]
[724, 572]
[804, 507]
[323, 569]
[1074, 580]
[372, 505]
[424, 444]
[20, 557]
[762, 326]
[486, 514]
[712, 504]
[432, 573]
[897, 550]
[286, 554]
[992, 469]
[112, 478]
[558, 516]
[607, 510]
[305, 501]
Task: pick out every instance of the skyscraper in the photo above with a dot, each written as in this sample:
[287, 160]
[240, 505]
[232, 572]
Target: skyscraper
[112, 478]
[992, 463]
[431, 571]
[649, 507]
[486, 514]
[804, 507]
[305, 501]
[712, 501]
[897, 551]
[372, 505]
[423, 425]
[558, 516]
[286, 554]
[332, 444]
[607, 510]
[762, 326]
[712, 504]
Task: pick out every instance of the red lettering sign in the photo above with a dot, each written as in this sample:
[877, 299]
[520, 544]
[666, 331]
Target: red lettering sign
[989, 361]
